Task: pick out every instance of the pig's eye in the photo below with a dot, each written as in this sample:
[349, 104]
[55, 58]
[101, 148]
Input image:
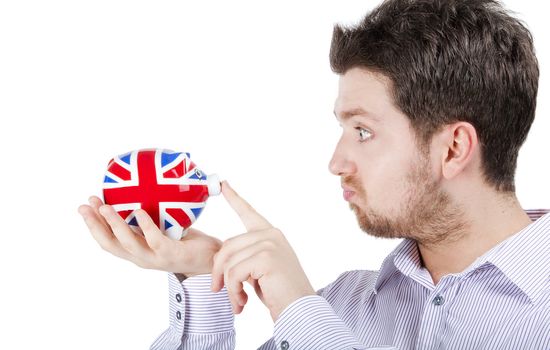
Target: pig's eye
[198, 173]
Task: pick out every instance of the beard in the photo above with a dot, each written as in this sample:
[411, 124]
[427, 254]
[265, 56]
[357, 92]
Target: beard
[426, 214]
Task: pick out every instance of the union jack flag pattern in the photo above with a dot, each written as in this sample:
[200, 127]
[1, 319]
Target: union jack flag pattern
[166, 184]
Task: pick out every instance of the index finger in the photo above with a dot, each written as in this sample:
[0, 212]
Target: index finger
[250, 217]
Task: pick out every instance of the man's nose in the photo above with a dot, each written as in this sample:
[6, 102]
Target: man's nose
[340, 164]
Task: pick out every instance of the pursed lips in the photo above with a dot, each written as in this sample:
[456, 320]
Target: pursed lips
[348, 192]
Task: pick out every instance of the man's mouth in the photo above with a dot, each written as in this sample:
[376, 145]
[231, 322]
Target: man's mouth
[348, 194]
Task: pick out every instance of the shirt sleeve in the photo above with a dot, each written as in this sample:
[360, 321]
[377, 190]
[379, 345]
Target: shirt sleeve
[199, 318]
[311, 323]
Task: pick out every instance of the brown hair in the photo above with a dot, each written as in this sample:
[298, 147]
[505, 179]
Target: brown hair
[452, 60]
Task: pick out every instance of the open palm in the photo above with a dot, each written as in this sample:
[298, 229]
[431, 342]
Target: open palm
[192, 255]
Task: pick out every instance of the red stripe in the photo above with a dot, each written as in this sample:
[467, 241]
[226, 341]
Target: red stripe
[124, 213]
[176, 172]
[119, 171]
[180, 216]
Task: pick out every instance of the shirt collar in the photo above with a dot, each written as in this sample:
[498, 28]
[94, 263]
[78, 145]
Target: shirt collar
[513, 257]
[408, 250]
[525, 257]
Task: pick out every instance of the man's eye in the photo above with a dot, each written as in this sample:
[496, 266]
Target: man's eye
[364, 134]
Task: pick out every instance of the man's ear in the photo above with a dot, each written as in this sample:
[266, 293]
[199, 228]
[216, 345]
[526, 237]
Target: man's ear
[458, 144]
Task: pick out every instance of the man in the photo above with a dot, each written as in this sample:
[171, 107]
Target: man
[435, 99]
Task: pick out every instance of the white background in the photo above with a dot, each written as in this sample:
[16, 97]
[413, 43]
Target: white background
[245, 87]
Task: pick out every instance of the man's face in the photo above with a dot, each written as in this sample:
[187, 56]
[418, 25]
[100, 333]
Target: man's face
[395, 194]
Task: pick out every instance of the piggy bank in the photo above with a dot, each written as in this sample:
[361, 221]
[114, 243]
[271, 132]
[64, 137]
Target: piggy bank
[166, 184]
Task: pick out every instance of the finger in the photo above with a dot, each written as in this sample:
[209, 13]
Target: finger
[95, 203]
[236, 299]
[130, 241]
[154, 237]
[239, 246]
[101, 233]
[243, 299]
[236, 304]
[240, 273]
[238, 294]
[250, 218]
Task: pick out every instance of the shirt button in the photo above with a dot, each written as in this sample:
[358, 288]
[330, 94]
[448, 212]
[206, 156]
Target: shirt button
[178, 297]
[438, 300]
[178, 315]
[284, 345]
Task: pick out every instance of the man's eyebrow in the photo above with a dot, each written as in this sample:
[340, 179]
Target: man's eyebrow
[345, 115]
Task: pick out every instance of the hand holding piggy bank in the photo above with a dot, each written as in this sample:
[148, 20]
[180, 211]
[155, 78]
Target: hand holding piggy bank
[164, 183]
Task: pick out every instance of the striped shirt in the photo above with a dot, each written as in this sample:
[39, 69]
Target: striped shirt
[501, 301]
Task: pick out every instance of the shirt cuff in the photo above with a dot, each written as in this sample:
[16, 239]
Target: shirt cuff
[311, 323]
[194, 308]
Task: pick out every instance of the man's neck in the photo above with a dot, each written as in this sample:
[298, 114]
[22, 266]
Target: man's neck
[488, 224]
